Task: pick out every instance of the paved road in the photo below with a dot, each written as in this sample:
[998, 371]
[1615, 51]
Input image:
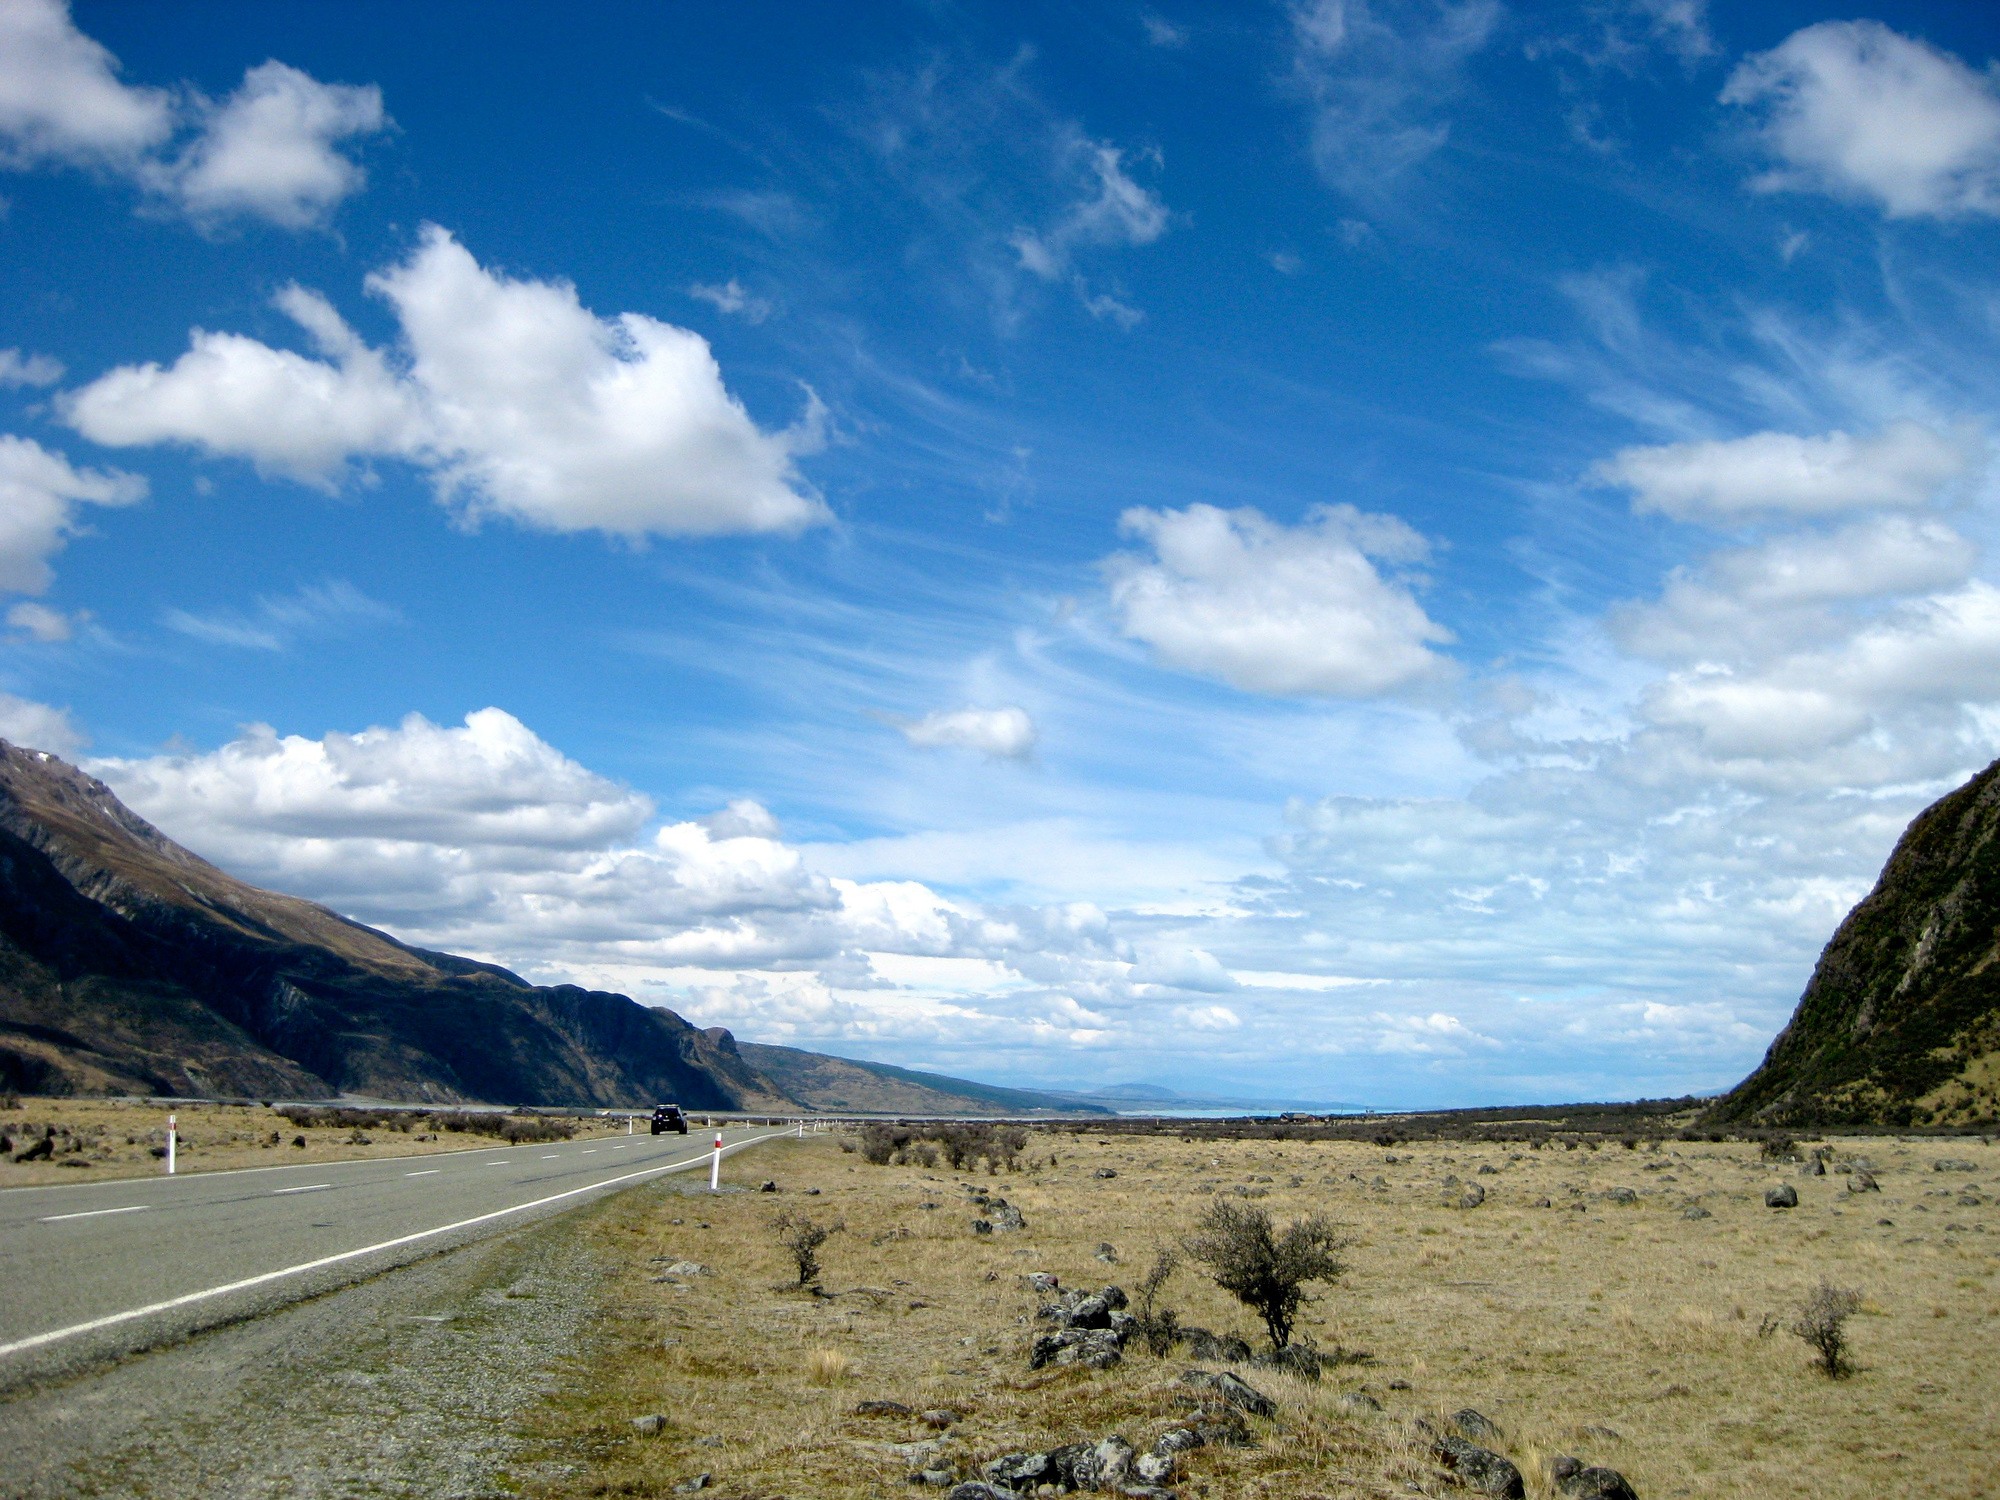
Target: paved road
[98, 1270]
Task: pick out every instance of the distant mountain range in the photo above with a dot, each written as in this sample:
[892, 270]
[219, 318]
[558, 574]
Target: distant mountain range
[1900, 1023]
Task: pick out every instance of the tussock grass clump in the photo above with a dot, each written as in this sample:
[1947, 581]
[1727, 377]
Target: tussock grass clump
[827, 1368]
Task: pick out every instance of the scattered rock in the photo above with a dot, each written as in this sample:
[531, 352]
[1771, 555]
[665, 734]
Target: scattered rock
[812, 1192]
[935, 1478]
[1476, 1426]
[1623, 1195]
[1541, 1203]
[1232, 1390]
[1295, 1359]
[1472, 1197]
[940, 1416]
[1400, 1385]
[980, 1226]
[768, 1187]
[1696, 1211]
[1357, 1401]
[975, 1490]
[1043, 1282]
[1214, 1348]
[1093, 1348]
[1476, 1468]
[1088, 1466]
[1020, 1471]
[883, 1409]
[688, 1487]
[649, 1426]
[1108, 1253]
[1578, 1481]
[1863, 1182]
[1602, 1434]
[687, 1268]
[1006, 1216]
[1784, 1195]
[1953, 1164]
[1814, 1168]
[1105, 1173]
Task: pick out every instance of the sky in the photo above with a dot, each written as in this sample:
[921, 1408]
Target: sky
[1402, 552]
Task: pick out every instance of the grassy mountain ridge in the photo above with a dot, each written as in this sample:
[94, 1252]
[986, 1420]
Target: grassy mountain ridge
[1900, 1023]
[130, 964]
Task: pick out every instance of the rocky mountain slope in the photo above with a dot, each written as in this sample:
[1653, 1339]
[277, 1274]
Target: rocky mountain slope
[840, 1083]
[128, 964]
[1900, 1024]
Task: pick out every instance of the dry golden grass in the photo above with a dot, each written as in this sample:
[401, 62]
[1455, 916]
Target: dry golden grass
[117, 1138]
[1627, 1335]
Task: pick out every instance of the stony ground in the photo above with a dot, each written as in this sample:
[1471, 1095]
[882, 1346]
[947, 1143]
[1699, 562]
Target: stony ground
[1611, 1324]
[413, 1385]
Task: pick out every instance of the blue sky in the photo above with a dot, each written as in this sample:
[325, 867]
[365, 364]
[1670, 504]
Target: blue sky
[1407, 553]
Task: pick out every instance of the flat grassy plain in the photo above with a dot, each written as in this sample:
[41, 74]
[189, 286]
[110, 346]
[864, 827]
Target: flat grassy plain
[98, 1140]
[1621, 1332]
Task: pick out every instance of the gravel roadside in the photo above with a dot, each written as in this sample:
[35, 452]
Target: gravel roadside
[409, 1384]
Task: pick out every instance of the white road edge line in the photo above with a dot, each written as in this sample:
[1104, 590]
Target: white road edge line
[38, 1340]
[136, 1208]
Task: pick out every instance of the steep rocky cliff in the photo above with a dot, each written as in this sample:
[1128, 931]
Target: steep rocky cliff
[1900, 1023]
[128, 964]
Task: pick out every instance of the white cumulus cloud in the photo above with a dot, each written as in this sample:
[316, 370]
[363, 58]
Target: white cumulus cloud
[1904, 465]
[39, 496]
[1004, 733]
[267, 151]
[1268, 608]
[18, 369]
[36, 726]
[1861, 112]
[517, 399]
[60, 97]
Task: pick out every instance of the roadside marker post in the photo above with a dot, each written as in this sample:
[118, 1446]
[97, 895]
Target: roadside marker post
[170, 1145]
[715, 1166]
[628, 1124]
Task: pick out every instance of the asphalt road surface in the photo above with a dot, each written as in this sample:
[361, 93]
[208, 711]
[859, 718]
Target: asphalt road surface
[98, 1270]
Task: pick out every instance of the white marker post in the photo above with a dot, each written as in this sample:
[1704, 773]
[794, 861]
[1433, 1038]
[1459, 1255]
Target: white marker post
[715, 1166]
[628, 1124]
[170, 1145]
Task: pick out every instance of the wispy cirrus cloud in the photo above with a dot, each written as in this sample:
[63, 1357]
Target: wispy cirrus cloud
[315, 611]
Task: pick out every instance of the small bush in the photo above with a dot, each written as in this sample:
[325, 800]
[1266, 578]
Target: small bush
[1159, 1326]
[1262, 1267]
[802, 1236]
[1822, 1323]
[1780, 1148]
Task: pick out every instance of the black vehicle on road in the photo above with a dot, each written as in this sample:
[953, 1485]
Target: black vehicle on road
[669, 1117]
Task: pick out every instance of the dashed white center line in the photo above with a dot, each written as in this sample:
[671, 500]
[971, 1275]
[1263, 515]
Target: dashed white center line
[592, 1151]
[91, 1213]
[496, 1164]
[313, 1187]
[427, 1172]
[617, 1148]
[548, 1158]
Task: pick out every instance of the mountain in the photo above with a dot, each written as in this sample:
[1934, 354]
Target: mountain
[129, 965]
[1900, 1024]
[840, 1083]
